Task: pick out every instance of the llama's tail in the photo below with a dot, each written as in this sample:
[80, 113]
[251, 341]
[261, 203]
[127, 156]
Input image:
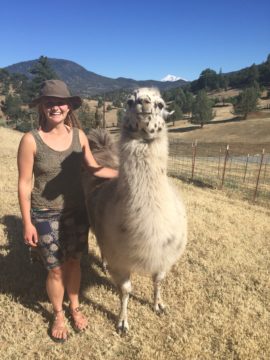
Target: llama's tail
[104, 148]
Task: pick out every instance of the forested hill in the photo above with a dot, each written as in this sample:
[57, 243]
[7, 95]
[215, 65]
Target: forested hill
[87, 83]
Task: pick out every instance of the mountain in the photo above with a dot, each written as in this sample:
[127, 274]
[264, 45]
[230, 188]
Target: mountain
[170, 77]
[87, 83]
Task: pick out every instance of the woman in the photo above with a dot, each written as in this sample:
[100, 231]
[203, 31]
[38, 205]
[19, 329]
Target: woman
[53, 212]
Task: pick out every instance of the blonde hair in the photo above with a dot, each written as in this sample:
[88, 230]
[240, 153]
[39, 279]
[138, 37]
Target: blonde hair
[70, 120]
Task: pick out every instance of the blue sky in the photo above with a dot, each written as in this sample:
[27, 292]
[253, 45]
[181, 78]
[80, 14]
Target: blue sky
[138, 39]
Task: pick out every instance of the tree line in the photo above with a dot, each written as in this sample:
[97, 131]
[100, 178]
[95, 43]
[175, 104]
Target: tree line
[191, 99]
[19, 90]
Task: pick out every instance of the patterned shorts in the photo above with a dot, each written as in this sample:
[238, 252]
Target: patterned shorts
[61, 235]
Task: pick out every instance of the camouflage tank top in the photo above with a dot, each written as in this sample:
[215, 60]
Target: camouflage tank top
[57, 175]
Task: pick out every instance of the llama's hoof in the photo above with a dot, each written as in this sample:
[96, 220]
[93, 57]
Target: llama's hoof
[160, 309]
[122, 327]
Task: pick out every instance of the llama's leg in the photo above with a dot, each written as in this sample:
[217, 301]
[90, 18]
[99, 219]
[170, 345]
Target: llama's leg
[159, 307]
[124, 286]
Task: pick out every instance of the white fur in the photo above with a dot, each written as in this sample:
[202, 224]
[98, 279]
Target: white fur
[138, 218]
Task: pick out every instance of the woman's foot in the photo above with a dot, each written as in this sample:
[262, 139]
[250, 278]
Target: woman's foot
[59, 330]
[80, 322]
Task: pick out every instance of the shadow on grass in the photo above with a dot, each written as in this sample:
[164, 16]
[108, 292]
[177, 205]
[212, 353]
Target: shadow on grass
[18, 277]
[91, 277]
[223, 121]
[185, 129]
[195, 127]
[196, 182]
[25, 281]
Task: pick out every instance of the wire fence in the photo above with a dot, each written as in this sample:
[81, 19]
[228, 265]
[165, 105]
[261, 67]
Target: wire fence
[218, 166]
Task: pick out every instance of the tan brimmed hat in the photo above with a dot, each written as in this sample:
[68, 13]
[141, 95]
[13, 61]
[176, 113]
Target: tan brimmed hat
[58, 89]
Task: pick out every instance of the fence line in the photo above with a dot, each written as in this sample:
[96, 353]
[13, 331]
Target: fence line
[221, 168]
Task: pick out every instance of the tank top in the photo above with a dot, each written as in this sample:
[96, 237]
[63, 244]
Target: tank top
[57, 175]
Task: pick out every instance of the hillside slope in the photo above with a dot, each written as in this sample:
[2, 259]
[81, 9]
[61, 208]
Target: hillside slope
[87, 83]
[252, 134]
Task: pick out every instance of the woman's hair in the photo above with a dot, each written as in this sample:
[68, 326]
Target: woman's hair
[71, 119]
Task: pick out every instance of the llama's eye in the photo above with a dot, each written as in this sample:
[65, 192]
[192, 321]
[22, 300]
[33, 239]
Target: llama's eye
[160, 105]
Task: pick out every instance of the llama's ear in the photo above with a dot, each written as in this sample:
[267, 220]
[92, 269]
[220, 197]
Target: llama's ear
[166, 114]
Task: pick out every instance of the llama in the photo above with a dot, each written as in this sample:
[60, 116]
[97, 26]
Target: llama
[138, 219]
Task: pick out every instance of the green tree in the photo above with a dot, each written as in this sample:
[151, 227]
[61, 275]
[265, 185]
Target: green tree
[86, 117]
[100, 102]
[180, 98]
[98, 118]
[4, 82]
[117, 103]
[253, 76]
[41, 71]
[187, 107]
[178, 113]
[246, 101]
[11, 107]
[202, 109]
[208, 80]
[120, 116]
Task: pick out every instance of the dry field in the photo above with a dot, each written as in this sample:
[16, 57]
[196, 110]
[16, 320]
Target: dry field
[246, 136]
[110, 115]
[217, 294]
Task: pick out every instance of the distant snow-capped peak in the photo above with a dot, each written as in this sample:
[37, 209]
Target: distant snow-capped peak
[170, 77]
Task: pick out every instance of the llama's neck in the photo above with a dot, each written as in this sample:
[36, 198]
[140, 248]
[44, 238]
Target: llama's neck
[143, 168]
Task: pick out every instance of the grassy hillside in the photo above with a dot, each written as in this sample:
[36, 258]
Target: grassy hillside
[246, 136]
[217, 294]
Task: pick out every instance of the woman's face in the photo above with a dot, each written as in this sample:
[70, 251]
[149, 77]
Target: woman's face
[55, 109]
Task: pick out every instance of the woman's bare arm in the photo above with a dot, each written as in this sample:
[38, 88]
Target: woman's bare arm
[25, 161]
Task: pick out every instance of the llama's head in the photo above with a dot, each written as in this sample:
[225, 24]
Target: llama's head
[145, 115]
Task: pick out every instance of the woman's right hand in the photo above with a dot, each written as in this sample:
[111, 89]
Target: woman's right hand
[30, 235]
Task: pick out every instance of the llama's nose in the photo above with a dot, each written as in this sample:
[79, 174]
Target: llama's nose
[146, 107]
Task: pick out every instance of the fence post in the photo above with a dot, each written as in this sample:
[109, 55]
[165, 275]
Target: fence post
[219, 156]
[265, 171]
[258, 177]
[245, 173]
[104, 114]
[194, 151]
[224, 167]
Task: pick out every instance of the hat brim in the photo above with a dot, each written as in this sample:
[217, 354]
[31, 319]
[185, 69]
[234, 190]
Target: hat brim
[75, 101]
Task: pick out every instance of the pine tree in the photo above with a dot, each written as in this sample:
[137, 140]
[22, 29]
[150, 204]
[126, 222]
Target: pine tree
[246, 101]
[42, 71]
[202, 109]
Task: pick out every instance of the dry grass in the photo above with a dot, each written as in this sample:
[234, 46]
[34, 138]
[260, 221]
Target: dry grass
[252, 134]
[218, 293]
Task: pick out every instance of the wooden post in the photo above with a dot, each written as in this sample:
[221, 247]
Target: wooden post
[245, 173]
[219, 156]
[224, 167]
[194, 151]
[258, 177]
[104, 111]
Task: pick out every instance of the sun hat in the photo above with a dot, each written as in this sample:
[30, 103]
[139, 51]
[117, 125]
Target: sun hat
[58, 89]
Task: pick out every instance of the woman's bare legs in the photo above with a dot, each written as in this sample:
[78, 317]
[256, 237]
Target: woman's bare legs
[55, 290]
[72, 271]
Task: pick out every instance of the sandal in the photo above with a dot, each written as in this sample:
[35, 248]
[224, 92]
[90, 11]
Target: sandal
[59, 327]
[79, 321]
